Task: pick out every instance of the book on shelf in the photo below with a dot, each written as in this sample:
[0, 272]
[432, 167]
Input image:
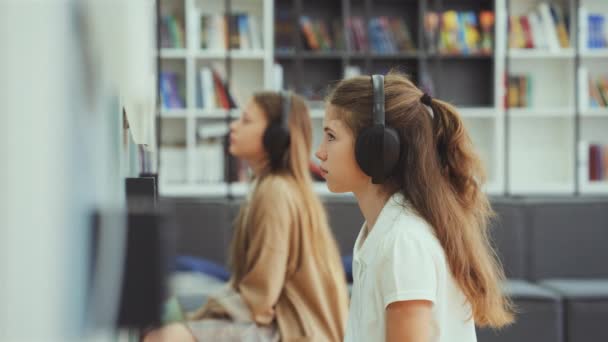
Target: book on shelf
[171, 90]
[431, 31]
[519, 91]
[598, 91]
[284, 30]
[209, 153]
[238, 31]
[593, 89]
[593, 161]
[384, 35]
[173, 163]
[172, 32]
[593, 29]
[213, 92]
[356, 34]
[459, 32]
[321, 35]
[547, 27]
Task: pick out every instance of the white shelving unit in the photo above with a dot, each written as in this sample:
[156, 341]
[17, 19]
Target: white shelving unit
[542, 139]
[541, 151]
[250, 71]
[593, 125]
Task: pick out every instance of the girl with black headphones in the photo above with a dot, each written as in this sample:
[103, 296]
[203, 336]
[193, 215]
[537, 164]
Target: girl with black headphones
[423, 268]
[287, 279]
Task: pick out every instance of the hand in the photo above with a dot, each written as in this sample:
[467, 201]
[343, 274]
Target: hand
[212, 309]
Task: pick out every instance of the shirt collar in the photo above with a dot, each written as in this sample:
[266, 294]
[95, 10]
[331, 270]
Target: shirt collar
[385, 221]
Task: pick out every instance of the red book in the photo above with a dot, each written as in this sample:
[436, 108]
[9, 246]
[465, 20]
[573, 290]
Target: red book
[594, 162]
[525, 25]
[220, 91]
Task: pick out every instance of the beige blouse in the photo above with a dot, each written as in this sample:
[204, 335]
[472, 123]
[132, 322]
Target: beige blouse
[281, 281]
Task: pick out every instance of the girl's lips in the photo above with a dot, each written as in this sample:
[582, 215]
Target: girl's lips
[323, 171]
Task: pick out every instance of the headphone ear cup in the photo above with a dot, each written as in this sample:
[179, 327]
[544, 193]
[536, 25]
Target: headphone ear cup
[367, 148]
[377, 152]
[391, 151]
[276, 140]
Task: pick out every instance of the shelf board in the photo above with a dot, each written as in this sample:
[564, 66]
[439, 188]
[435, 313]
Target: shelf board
[541, 54]
[233, 54]
[540, 188]
[173, 53]
[341, 54]
[595, 53]
[594, 188]
[193, 190]
[460, 56]
[595, 113]
[173, 113]
[310, 54]
[398, 55]
[564, 112]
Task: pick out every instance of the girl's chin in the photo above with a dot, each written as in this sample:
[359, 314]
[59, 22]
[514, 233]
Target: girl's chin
[333, 188]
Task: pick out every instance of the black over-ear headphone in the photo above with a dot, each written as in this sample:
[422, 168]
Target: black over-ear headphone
[276, 137]
[378, 146]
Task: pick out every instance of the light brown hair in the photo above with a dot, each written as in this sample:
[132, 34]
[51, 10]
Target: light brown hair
[299, 192]
[441, 176]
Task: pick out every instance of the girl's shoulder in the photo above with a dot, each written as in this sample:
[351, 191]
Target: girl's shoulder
[275, 189]
[408, 228]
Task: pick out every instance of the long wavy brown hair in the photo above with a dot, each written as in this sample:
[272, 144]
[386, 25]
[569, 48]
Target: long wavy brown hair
[441, 177]
[295, 173]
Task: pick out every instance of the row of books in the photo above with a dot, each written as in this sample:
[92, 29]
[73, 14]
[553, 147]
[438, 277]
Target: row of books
[598, 91]
[173, 164]
[453, 32]
[545, 28]
[209, 157]
[519, 91]
[318, 36]
[172, 90]
[594, 161]
[237, 31]
[172, 33]
[594, 31]
[213, 92]
[385, 34]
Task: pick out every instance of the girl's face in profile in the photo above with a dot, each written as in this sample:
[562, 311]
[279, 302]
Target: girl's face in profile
[337, 155]
[246, 134]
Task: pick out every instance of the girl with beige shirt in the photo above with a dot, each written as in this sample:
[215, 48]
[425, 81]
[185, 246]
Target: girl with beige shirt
[287, 280]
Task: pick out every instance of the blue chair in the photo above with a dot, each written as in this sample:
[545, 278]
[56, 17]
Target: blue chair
[187, 263]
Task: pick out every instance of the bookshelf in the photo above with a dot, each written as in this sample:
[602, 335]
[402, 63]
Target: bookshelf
[529, 149]
[195, 164]
[592, 125]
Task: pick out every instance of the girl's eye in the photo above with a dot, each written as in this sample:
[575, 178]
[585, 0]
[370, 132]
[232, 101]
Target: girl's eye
[330, 137]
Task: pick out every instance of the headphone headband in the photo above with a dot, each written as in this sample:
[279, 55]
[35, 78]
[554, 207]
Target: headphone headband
[378, 106]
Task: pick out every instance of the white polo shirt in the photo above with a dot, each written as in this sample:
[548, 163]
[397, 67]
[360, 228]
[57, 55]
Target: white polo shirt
[399, 260]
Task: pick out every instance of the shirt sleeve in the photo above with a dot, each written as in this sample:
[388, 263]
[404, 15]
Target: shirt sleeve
[408, 270]
[267, 255]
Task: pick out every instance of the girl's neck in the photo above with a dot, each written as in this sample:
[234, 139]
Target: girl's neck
[257, 166]
[371, 199]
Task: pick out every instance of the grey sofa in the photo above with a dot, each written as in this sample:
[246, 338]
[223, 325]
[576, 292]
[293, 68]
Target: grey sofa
[554, 251]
